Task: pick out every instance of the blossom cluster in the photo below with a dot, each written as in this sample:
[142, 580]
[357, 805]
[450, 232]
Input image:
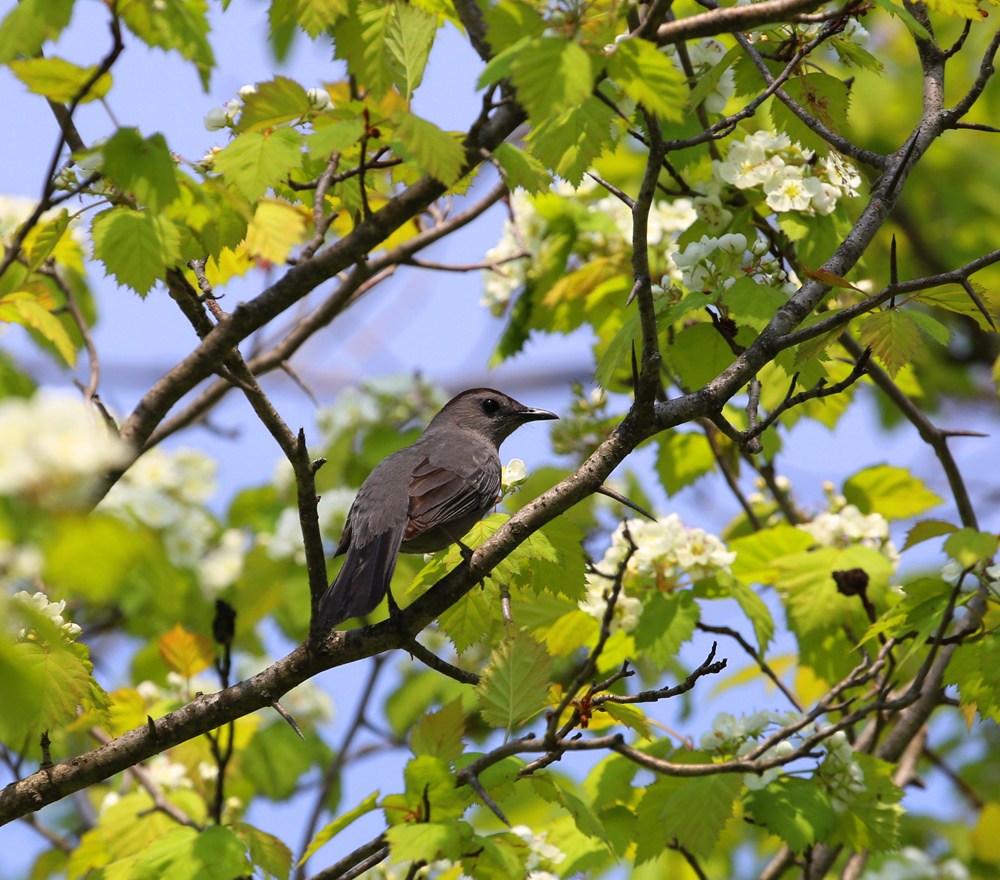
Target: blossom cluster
[52, 449]
[844, 524]
[40, 604]
[730, 734]
[841, 772]
[167, 491]
[911, 863]
[712, 263]
[666, 553]
[788, 173]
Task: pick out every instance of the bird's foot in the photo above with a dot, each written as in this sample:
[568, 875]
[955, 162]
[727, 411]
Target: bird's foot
[467, 552]
[393, 607]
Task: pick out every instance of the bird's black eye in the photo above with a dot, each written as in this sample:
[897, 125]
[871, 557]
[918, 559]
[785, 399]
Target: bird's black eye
[490, 406]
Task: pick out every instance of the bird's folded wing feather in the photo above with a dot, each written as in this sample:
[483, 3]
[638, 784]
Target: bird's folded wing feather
[440, 494]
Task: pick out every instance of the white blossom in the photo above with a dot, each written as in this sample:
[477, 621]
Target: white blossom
[319, 99]
[40, 604]
[52, 448]
[222, 566]
[514, 474]
[167, 774]
[538, 849]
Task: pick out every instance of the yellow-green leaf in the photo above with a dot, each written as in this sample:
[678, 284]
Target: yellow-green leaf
[436, 152]
[648, 77]
[186, 652]
[892, 336]
[277, 226]
[60, 80]
[275, 101]
[334, 828]
[515, 683]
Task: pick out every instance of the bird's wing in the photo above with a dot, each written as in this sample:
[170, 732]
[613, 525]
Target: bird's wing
[441, 493]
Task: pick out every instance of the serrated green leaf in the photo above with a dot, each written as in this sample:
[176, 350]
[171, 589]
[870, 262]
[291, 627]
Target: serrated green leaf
[499, 65]
[514, 685]
[964, 8]
[316, 16]
[897, 11]
[648, 78]
[257, 160]
[440, 733]
[425, 841]
[336, 137]
[510, 21]
[892, 336]
[667, 622]
[756, 553]
[954, 298]
[753, 304]
[552, 76]
[683, 458]
[359, 39]
[47, 236]
[892, 491]
[186, 854]
[180, 25]
[709, 81]
[550, 789]
[275, 101]
[697, 809]
[136, 247]
[522, 169]
[931, 326]
[871, 821]
[629, 716]
[334, 828]
[141, 167]
[60, 80]
[920, 612]
[408, 40]
[927, 529]
[968, 546]
[436, 152]
[796, 810]
[824, 97]
[699, 353]
[569, 144]
[467, 621]
[267, 852]
[29, 24]
[29, 312]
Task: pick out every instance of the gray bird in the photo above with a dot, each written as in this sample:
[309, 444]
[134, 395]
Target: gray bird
[424, 497]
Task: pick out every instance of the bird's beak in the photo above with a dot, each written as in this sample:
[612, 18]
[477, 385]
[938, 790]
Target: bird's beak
[537, 415]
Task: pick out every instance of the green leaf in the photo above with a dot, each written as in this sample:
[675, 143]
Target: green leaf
[257, 160]
[931, 326]
[954, 298]
[569, 144]
[60, 80]
[699, 353]
[920, 612]
[429, 782]
[136, 247]
[185, 854]
[629, 716]
[753, 304]
[522, 169]
[440, 733]
[275, 101]
[499, 65]
[436, 152]
[709, 81]
[29, 24]
[683, 459]
[180, 25]
[360, 39]
[756, 553]
[275, 759]
[142, 167]
[339, 824]
[727, 587]
[315, 16]
[408, 39]
[965, 8]
[336, 137]
[667, 621]
[549, 788]
[47, 236]
[426, 841]
[13, 383]
[497, 857]
[649, 78]
[32, 314]
[826, 98]
[698, 808]
[893, 337]
[267, 852]
[967, 546]
[892, 491]
[552, 76]
[915, 27]
[514, 685]
[927, 529]
[796, 810]
[510, 21]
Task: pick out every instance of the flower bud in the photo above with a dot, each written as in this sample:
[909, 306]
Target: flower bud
[319, 99]
[217, 118]
[246, 91]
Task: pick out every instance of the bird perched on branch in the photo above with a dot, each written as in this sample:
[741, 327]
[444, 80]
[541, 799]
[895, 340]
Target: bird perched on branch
[424, 497]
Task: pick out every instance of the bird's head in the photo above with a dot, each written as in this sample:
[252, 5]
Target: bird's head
[487, 412]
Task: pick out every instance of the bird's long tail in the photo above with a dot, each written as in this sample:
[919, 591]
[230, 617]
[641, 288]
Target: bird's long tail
[362, 581]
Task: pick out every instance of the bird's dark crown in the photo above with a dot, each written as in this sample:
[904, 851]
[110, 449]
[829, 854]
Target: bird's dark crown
[488, 412]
